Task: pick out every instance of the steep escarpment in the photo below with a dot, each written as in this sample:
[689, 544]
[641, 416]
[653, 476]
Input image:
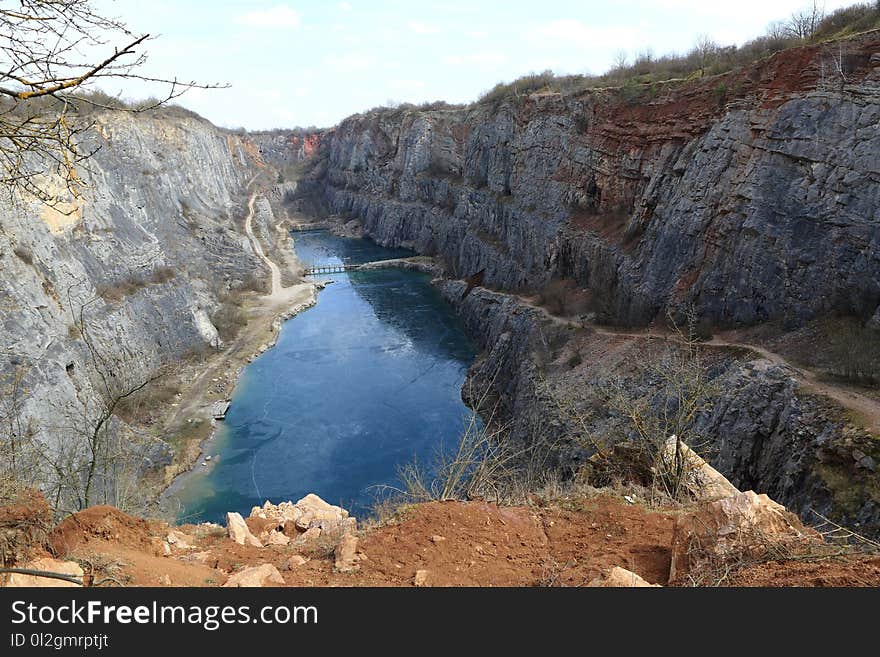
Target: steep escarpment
[750, 196]
[549, 382]
[139, 263]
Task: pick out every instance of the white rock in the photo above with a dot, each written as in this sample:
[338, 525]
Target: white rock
[621, 578]
[47, 564]
[238, 531]
[256, 576]
[346, 554]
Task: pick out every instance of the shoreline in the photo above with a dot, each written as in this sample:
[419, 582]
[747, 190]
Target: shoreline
[230, 364]
[267, 315]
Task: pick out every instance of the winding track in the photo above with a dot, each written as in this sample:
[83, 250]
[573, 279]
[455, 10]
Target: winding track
[866, 407]
[276, 272]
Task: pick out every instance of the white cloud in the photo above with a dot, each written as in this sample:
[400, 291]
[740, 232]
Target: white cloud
[423, 28]
[345, 6]
[478, 34]
[280, 16]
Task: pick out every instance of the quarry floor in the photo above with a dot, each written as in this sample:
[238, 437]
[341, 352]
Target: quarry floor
[563, 543]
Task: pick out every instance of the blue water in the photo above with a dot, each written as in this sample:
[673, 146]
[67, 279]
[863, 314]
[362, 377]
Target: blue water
[363, 382]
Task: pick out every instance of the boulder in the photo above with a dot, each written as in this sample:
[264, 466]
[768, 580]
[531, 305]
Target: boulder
[281, 513]
[421, 578]
[295, 561]
[49, 565]
[180, 540]
[700, 479]
[744, 525]
[256, 576]
[238, 531]
[346, 554]
[620, 578]
[277, 538]
[311, 511]
[311, 534]
[317, 512]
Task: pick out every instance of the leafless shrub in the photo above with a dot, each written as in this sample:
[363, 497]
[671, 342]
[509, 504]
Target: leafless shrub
[162, 275]
[680, 391]
[565, 298]
[229, 319]
[19, 448]
[119, 291]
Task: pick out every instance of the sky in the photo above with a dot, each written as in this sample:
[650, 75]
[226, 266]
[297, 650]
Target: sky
[312, 63]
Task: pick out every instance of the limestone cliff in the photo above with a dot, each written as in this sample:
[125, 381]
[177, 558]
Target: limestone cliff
[751, 195]
[146, 250]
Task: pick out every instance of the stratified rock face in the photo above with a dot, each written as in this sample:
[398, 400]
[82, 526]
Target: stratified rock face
[752, 196]
[766, 435]
[146, 250]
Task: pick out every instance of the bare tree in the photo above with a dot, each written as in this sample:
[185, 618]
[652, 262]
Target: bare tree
[705, 50]
[51, 53]
[804, 23]
[681, 390]
[778, 30]
[98, 459]
[18, 448]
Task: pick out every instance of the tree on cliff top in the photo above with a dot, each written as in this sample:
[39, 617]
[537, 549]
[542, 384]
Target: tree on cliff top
[51, 54]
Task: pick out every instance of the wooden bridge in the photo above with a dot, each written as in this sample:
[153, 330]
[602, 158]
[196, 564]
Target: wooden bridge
[312, 270]
[307, 227]
[329, 269]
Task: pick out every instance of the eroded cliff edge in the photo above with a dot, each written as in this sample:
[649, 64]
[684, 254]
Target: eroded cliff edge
[750, 197]
[144, 258]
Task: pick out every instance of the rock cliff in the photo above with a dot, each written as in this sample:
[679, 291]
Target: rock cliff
[141, 256]
[751, 196]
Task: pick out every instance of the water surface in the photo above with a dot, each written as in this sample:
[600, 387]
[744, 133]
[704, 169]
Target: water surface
[366, 380]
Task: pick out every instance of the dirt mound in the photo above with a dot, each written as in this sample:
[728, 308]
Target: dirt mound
[104, 523]
[844, 571]
[24, 525]
[480, 544]
[568, 542]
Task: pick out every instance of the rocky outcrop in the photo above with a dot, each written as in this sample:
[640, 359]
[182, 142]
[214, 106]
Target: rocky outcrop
[744, 526]
[142, 257]
[750, 196]
[765, 433]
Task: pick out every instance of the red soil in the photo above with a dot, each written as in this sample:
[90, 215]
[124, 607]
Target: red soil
[457, 543]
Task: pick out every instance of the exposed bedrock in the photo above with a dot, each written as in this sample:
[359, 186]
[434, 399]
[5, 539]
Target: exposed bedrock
[751, 196]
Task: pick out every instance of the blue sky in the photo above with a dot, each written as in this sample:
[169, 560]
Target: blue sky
[300, 63]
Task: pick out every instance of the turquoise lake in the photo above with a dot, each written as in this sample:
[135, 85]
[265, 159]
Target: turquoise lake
[365, 381]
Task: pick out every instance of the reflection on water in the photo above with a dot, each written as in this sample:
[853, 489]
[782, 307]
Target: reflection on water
[366, 380]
